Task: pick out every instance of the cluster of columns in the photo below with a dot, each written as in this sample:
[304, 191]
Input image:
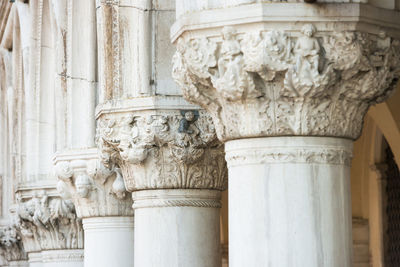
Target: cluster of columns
[287, 97]
[140, 176]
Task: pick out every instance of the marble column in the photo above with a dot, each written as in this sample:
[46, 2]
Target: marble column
[189, 233]
[50, 231]
[98, 193]
[102, 203]
[165, 148]
[288, 98]
[175, 167]
[118, 233]
[290, 194]
[35, 259]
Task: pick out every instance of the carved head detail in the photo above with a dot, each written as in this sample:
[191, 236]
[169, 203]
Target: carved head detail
[189, 116]
[308, 30]
[63, 171]
[228, 33]
[83, 185]
[180, 46]
[382, 34]
[8, 237]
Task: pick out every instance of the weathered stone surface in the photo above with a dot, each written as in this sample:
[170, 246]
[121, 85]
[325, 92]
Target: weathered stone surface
[163, 150]
[281, 83]
[96, 190]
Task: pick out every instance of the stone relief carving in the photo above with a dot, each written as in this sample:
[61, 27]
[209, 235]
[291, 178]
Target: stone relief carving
[46, 223]
[95, 189]
[11, 247]
[274, 83]
[280, 155]
[181, 150]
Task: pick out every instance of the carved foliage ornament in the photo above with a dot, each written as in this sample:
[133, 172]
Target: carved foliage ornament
[277, 83]
[48, 223]
[95, 189]
[163, 151]
[11, 247]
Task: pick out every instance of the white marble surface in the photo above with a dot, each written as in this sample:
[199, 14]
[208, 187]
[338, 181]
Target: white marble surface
[35, 259]
[289, 202]
[18, 264]
[108, 241]
[169, 232]
[62, 258]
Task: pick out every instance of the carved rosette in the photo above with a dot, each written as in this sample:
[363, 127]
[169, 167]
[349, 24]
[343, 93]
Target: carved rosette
[277, 83]
[96, 190]
[11, 247]
[163, 149]
[46, 222]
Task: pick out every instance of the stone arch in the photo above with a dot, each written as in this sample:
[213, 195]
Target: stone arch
[387, 116]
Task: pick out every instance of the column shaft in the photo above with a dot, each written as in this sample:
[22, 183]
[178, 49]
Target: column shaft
[178, 227]
[289, 202]
[35, 259]
[108, 241]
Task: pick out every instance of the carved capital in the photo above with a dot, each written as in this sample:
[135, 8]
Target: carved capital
[11, 247]
[95, 189]
[279, 83]
[46, 222]
[163, 150]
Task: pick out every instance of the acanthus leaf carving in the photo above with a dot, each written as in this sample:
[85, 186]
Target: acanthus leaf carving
[276, 83]
[46, 223]
[11, 247]
[95, 189]
[181, 150]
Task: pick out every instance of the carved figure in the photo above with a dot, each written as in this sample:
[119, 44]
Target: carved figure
[233, 79]
[83, 185]
[230, 52]
[63, 190]
[187, 129]
[383, 43]
[186, 123]
[42, 212]
[10, 244]
[64, 171]
[307, 54]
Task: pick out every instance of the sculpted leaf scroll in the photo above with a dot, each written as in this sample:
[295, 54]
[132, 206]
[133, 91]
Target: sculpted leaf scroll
[289, 72]
[176, 147]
